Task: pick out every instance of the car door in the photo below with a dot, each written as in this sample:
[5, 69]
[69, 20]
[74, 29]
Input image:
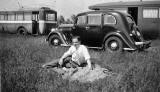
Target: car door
[92, 32]
[80, 26]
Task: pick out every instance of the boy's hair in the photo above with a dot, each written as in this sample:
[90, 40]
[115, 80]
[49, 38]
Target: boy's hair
[76, 37]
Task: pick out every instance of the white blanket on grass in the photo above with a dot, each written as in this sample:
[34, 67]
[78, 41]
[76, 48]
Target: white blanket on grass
[82, 75]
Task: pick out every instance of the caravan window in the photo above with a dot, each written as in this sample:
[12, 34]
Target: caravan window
[159, 12]
[2, 17]
[11, 17]
[35, 16]
[19, 16]
[50, 17]
[150, 13]
[27, 16]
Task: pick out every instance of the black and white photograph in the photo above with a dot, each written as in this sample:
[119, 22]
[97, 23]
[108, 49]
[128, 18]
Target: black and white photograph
[79, 45]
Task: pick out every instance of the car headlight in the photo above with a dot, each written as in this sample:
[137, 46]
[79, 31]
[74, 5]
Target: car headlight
[138, 33]
[133, 32]
[53, 29]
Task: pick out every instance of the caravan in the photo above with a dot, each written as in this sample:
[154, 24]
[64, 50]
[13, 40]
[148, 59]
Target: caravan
[145, 13]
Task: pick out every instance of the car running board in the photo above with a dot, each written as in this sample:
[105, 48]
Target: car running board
[131, 49]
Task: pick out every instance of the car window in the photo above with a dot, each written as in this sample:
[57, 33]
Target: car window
[109, 19]
[81, 20]
[94, 19]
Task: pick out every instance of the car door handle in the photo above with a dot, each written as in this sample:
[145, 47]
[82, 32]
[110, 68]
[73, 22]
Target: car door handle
[87, 28]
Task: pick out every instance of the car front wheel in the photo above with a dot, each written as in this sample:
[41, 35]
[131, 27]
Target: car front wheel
[54, 40]
[114, 44]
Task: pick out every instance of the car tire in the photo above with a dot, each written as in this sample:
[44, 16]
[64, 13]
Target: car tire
[54, 40]
[22, 31]
[113, 44]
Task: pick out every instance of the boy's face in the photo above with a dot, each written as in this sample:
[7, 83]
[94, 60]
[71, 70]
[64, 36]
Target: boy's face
[75, 42]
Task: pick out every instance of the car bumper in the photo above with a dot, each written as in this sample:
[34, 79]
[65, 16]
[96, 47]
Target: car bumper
[143, 45]
[140, 46]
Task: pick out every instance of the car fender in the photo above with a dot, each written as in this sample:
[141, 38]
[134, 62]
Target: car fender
[61, 35]
[121, 36]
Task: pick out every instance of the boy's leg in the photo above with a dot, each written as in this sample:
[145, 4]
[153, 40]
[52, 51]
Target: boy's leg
[73, 64]
[53, 63]
[66, 62]
[85, 65]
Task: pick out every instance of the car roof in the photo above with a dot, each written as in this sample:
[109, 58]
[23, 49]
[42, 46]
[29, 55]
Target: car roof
[124, 4]
[104, 11]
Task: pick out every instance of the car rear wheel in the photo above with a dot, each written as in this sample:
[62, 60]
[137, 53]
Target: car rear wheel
[114, 44]
[54, 40]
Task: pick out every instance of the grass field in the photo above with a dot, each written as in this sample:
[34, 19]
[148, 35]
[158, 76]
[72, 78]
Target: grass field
[21, 59]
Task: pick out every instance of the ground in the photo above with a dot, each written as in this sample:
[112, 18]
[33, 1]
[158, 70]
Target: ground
[21, 59]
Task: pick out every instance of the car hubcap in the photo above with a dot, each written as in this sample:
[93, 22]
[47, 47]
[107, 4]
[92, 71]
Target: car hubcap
[114, 45]
[23, 32]
[55, 42]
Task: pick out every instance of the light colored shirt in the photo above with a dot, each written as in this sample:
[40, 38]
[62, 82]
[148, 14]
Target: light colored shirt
[79, 55]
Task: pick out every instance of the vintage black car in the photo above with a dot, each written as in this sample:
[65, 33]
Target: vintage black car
[109, 30]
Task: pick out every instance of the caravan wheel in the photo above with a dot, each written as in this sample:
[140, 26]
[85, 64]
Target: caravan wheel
[22, 31]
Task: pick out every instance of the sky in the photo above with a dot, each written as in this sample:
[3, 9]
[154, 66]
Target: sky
[63, 7]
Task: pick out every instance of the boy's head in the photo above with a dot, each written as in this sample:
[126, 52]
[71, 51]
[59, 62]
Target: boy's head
[76, 41]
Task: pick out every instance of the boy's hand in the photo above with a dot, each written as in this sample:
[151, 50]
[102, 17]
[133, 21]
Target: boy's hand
[43, 66]
[60, 62]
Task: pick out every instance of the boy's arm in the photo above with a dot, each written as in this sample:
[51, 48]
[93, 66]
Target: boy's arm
[89, 64]
[66, 54]
[87, 57]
